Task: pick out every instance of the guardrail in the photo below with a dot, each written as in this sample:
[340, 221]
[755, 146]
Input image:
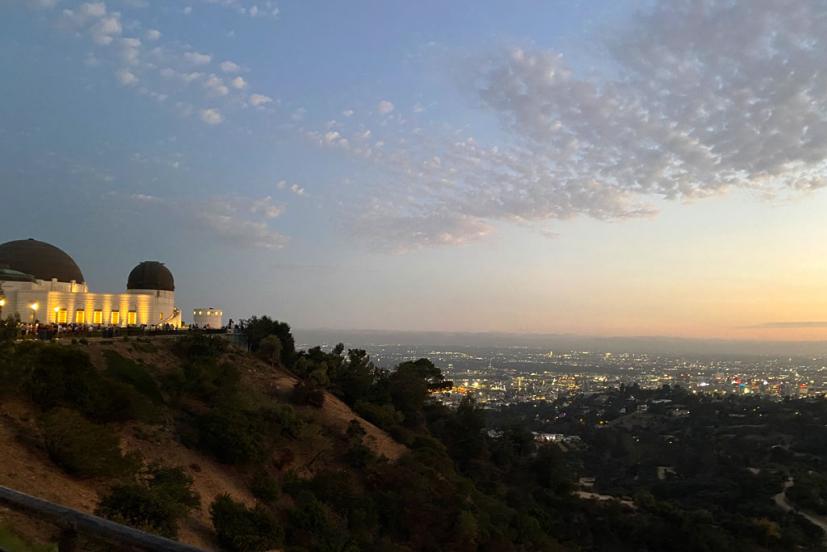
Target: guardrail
[73, 523]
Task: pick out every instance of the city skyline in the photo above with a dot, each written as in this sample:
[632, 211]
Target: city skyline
[579, 168]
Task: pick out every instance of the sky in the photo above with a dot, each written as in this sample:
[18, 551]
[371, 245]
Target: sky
[594, 168]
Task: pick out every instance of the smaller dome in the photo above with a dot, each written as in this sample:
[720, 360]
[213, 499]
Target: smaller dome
[151, 275]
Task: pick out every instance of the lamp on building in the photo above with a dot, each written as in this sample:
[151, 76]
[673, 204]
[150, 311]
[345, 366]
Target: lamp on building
[34, 307]
[2, 304]
[57, 312]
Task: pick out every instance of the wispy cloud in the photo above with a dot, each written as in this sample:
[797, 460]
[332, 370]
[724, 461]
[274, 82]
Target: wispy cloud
[236, 220]
[789, 325]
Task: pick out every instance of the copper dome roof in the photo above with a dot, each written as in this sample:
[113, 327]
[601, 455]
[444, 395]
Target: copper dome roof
[151, 275]
[42, 260]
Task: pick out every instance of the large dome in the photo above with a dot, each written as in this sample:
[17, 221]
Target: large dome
[41, 260]
[151, 275]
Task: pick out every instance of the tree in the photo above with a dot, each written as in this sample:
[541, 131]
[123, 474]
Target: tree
[242, 529]
[155, 504]
[256, 329]
[270, 349]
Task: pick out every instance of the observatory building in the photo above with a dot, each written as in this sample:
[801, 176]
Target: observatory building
[40, 282]
[208, 318]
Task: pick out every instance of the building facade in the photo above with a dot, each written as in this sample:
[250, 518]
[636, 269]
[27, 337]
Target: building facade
[209, 318]
[41, 283]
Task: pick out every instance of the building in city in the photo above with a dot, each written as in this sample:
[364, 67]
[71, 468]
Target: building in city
[40, 282]
[208, 318]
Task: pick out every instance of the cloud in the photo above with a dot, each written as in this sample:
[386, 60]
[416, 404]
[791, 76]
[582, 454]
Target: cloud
[425, 229]
[42, 4]
[216, 86]
[259, 100]
[211, 116]
[790, 325]
[298, 114]
[266, 207]
[281, 184]
[384, 107]
[695, 99]
[197, 58]
[238, 83]
[126, 78]
[235, 220]
[229, 67]
[296, 189]
[261, 8]
[348, 112]
[152, 35]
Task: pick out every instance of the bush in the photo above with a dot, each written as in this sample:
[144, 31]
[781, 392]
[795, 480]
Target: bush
[233, 436]
[56, 375]
[132, 373]
[200, 346]
[305, 392]
[154, 506]
[81, 447]
[265, 487]
[210, 381]
[269, 350]
[242, 529]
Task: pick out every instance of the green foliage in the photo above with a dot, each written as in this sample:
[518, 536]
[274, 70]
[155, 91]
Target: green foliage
[309, 393]
[269, 350]
[209, 380]
[12, 542]
[155, 505]
[265, 487]
[311, 525]
[132, 373]
[81, 447]
[256, 329]
[236, 435]
[382, 415]
[242, 529]
[200, 346]
[810, 492]
[56, 375]
[233, 435]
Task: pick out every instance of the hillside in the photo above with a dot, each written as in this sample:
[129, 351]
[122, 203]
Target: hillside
[27, 465]
[191, 438]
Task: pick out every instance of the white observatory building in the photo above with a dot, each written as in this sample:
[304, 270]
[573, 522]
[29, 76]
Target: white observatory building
[209, 318]
[40, 282]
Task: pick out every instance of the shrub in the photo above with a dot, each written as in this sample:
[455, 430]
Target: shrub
[155, 505]
[265, 487]
[233, 435]
[81, 447]
[200, 346]
[305, 392]
[208, 380]
[384, 416]
[242, 529]
[269, 350]
[64, 376]
[126, 371]
[282, 419]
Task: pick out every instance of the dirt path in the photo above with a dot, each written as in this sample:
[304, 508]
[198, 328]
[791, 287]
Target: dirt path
[784, 503]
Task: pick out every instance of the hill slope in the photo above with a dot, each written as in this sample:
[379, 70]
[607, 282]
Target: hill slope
[27, 466]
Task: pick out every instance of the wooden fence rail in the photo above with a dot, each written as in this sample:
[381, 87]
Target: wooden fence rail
[74, 522]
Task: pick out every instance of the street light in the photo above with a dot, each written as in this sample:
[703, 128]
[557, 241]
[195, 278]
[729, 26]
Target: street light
[2, 304]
